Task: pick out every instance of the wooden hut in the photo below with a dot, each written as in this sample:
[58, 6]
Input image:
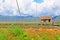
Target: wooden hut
[46, 19]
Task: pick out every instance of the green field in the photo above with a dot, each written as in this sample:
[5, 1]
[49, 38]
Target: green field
[18, 31]
[27, 25]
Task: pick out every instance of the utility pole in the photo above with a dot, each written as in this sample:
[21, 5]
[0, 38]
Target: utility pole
[18, 9]
[36, 10]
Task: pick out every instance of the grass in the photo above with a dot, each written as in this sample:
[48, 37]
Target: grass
[18, 33]
[15, 32]
[47, 25]
[57, 36]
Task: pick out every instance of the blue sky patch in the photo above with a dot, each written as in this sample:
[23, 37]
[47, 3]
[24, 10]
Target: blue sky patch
[3, 0]
[38, 1]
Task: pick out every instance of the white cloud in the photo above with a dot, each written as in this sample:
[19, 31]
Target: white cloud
[28, 7]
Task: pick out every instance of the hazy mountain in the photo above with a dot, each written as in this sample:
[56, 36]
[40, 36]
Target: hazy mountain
[24, 18]
[56, 18]
[19, 19]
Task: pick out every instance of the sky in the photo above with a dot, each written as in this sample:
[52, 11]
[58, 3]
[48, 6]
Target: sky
[30, 7]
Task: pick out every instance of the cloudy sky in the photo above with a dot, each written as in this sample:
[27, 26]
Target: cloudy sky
[30, 7]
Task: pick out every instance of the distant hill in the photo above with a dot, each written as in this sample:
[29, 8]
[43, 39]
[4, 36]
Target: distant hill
[56, 18]
[19, 19]
[25, 19]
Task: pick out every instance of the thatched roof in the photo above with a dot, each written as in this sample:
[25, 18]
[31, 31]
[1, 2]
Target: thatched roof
[46, 17]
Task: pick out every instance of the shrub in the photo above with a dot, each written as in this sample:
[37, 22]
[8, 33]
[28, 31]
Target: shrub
[57, 36]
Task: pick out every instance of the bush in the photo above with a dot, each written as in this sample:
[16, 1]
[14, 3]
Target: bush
[57, 36]
[18, 32]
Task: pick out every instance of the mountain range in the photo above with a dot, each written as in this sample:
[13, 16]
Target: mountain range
[19, 19]
[56, 18]
[24, 18]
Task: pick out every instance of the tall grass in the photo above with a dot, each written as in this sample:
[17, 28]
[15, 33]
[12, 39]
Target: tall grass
[17, 33]
[13, 33]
